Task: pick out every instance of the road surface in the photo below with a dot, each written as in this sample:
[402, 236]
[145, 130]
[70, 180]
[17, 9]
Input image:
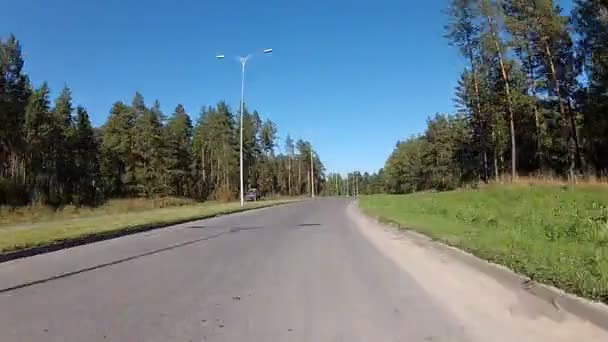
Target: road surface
[298, 272]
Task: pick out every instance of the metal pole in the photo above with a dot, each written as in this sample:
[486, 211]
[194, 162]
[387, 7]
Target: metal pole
[243, 63]
[336, 181]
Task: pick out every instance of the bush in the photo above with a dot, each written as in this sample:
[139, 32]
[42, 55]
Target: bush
[225, 194]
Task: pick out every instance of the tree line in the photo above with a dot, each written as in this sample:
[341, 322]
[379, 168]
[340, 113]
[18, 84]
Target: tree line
[50, 153]
[354, 183]
[532, 99]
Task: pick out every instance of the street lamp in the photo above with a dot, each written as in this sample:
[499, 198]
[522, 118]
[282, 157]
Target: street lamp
[243, 61]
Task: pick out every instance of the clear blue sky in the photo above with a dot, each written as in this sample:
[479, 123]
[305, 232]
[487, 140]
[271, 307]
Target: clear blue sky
[353, 77]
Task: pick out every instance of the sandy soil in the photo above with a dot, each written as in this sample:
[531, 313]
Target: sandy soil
[488, 309]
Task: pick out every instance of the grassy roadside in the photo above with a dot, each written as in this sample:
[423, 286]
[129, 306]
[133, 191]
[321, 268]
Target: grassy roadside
[65, 227]
[555, 235]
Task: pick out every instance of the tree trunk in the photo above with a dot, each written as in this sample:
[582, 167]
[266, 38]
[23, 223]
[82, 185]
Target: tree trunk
[13, 166]
[312, 175]
[539, 135]
[573, 125]
[347, 189]
[289, 177]
[471, 56]
[309, 185]
[478, 105]
[505, 79]
[337, 189]
[495, 157]
[483, 128]
[203, 172]
[300, 175]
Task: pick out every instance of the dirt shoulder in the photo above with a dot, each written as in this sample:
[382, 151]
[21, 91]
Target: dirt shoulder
[492, 303]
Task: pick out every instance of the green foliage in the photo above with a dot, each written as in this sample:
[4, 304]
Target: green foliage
[62, 136]
[591, 23]
[86, 178]
[149, 152]
[354, 184]
[556, 235]
[438, 159]
[179, 153]
[51, 155]
[405, 167]
[15, 91]
[522, 97]
[117, 162]
[39, 134]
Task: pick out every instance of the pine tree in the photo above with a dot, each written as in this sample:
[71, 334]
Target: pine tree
[492, 13]
[149, 152]
[117, 159]
[554, 43]
[463, 30]
[216, 143]
[591, 23]
[301, 148]
[251, 148]
[62, 148]
[179, 156]
[39, 130]
[267, 170]
[14, 94]
[520, 23]
[405, 167]
[200, 157]
[138, 105]
[290, 151]
[85, 158]
[53, 155]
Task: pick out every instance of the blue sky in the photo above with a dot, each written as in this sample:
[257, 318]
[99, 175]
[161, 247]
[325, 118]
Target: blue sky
[352, 77]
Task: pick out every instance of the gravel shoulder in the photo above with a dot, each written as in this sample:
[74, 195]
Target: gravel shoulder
[489, 304]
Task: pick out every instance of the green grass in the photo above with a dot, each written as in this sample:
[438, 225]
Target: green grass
[52, 227]
[554, 234]
[38, 213]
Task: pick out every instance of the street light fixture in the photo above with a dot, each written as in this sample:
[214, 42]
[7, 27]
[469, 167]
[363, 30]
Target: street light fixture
[243, 61]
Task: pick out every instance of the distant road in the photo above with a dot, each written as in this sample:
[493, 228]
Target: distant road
[298, 272]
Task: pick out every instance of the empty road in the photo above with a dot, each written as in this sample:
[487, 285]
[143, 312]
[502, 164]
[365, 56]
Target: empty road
[308, 271]
[298, 272]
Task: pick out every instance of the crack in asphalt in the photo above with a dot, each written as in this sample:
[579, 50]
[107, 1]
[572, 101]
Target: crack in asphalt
[116, 262]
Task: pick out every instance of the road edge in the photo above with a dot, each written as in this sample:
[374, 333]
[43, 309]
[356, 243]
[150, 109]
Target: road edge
[585, 309]
[113, 234]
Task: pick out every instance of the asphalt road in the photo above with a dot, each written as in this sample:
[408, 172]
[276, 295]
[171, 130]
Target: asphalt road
[298, 272]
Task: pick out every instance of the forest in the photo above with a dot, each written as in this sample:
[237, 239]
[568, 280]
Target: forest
[532, 100]
[51, 154]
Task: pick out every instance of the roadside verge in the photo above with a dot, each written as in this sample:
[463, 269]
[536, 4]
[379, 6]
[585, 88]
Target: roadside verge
[28, 240]
[493, 302]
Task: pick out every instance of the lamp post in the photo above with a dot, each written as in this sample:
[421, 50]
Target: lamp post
[243, 61]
